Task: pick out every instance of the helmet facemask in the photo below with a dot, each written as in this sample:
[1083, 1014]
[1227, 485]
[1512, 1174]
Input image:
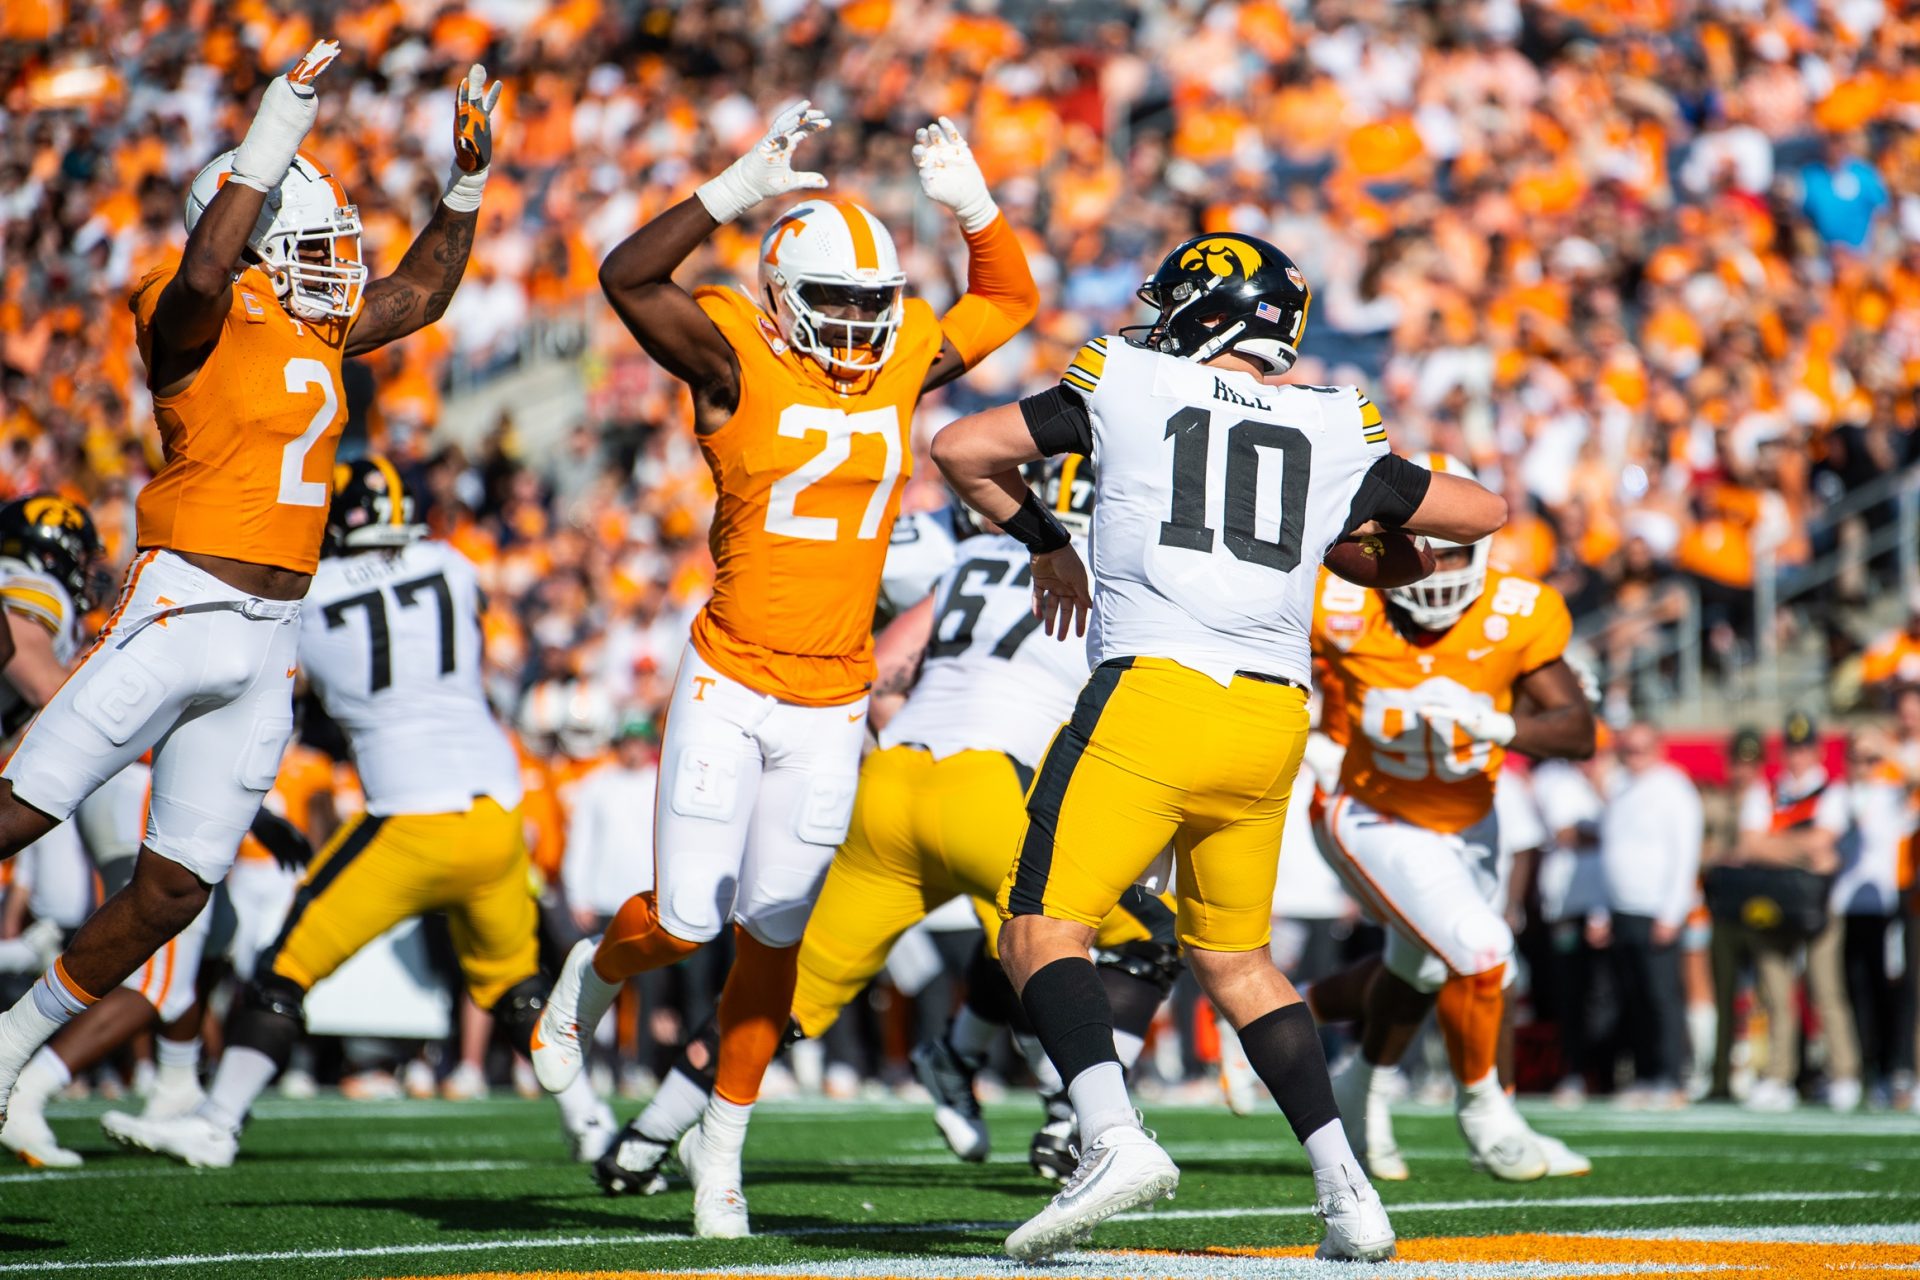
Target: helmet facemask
[1439, 600]
[848, 329]
[1266, 349]
[316, 268]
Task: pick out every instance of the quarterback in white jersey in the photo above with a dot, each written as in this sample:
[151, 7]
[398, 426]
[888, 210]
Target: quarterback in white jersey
[1220, 490]
[390, 640]
[936, 816]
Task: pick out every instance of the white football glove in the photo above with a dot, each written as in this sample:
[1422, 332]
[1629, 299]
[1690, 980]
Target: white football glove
[951, 176]
[287, 110]
[1479, 722]
[767, 169]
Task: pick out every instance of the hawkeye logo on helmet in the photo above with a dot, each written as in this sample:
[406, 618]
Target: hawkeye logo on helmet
[53, 511]
[1222, 256]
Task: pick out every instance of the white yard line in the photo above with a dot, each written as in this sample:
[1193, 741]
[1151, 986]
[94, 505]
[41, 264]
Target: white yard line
[155, 1169]
[979, 1267]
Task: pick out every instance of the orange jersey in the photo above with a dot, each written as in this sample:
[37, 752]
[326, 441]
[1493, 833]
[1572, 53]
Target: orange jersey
[305, 774]
[249, 444]
[809, 484]
[1398, 762]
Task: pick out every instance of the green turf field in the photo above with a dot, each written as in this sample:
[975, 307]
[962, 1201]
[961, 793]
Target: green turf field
[338, 1189]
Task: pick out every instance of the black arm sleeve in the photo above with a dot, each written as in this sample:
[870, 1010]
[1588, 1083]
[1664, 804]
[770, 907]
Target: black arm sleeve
[1059, 422]
[1391, 492]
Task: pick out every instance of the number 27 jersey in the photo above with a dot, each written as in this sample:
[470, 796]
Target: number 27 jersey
[1218, 497]
[391, 643]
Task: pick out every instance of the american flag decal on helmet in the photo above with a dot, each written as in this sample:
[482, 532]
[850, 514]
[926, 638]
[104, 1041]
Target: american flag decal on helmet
[1267, 311]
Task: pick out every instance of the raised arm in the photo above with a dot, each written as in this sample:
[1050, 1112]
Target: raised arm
[190, 310]
[637, 276]
[418, 291]
[1001, 297]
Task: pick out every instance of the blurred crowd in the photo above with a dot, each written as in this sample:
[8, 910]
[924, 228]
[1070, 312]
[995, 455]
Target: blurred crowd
[1651, 266]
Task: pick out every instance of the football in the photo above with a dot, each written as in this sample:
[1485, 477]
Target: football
[1381, 560]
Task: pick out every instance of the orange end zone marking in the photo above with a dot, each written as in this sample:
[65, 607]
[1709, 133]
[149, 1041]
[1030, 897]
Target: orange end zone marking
[1766, 1257]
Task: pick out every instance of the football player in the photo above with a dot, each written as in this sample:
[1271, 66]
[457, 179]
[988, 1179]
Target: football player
[1434, 683]
[243, 340]
[391, 644]
[1221, 488]
[938, 809]
[802, 396]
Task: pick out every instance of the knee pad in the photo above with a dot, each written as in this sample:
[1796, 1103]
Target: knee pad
[270, 1016]
[1482, 941]
[1159, 964]
[518, 1010]
[1137, 978]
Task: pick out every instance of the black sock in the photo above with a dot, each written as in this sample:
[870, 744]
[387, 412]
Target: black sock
[1284, 1048]
[1133, 999]
[990, 993]
[1068, 1008]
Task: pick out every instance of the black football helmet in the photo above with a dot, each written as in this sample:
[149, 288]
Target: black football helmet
[1066, 485]
[56, 536]
[371, 509]
[1227, 292]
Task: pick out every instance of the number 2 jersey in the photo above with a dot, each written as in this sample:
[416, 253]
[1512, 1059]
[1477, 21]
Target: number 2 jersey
[991, 680]
[808, 484]
[1218, 497]
[391, 643]
[1424, 770]
[249, 444]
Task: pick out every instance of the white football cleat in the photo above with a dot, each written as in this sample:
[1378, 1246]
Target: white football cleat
[1239, 1083]
[1123, 1169]
[574, 1009]
[956, 1112]
[191, 1139]
[1562, 1160]
[1366, 1113]
[173, 1097]
[591, 1140]
[1499, 1139]
[1357, 1226]
[719, 1206]
[29, 1138]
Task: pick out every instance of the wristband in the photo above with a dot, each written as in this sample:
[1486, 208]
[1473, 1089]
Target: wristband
[1035, 528]
[464, 190]
[727, 195]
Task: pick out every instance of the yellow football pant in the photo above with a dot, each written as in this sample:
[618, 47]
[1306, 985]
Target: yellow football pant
[377, 872]
[924, 832]
[1157, 752]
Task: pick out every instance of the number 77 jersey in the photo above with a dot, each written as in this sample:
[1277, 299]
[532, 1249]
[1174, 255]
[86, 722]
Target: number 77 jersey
[1218, 497]
[808, 482]
[390, 640]
[1388, 694]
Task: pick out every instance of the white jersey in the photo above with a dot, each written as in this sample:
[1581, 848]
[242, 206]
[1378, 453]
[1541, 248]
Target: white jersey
[923, 546]
[391, 642]
[1218, 496]
[992, 680]
[32, 594]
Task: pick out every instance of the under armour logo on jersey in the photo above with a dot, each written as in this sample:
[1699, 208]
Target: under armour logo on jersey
[1221, 391]
[700, 686]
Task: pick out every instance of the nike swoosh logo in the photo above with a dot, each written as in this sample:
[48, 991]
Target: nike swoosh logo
[856, 717]
[291, 671]
[533, 1038]
[1474, 655]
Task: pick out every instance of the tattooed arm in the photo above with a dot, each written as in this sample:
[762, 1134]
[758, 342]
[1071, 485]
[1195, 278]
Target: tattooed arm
[418, 291]
[897, 654]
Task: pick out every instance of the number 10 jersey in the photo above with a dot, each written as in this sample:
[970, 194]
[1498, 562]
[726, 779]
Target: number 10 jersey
[1218, 497]
[391, 643]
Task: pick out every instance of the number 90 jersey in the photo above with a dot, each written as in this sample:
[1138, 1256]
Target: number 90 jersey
[991, 680]
[249, 444]
[1424, 770]
[808, 484]
[1218, 497]
[391, 643]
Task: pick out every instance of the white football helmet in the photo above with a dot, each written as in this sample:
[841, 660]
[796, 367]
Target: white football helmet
[307, 239]
[1438, 600]
[831, 280]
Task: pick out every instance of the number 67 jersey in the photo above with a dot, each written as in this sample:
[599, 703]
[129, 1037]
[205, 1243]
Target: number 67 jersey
[1387, 693]
[390, 640]
[1219, 496]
